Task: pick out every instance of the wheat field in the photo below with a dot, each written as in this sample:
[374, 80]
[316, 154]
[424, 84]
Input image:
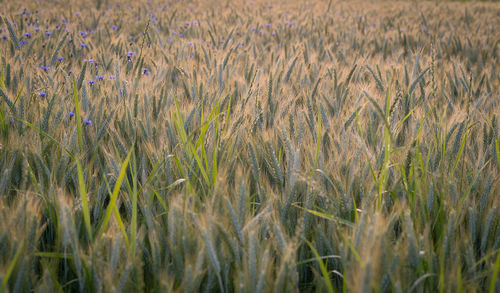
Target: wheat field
[249, 146]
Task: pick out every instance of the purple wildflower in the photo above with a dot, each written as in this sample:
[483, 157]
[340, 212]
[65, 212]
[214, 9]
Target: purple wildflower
[71, 114]
[87, 122]
[91, 82]
[60, 59]
[43, 94]
[48, 33]
[28, 35]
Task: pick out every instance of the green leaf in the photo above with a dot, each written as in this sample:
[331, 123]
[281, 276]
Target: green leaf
[322, 267]
[114, 195]
[11, 267]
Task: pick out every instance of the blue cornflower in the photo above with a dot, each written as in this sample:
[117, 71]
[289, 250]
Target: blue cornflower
[60, 59]
[99, 77]
[71, 114]
[43, 94]
[91, 82]
[130, 53]
[45, 67]
[114, 27]
[4, 38]
[146, 71]
[48, 34]
[87, 122]
[181, 35]
[112, 77]
[28, 35]
[37, 29]
[83, 34]
[83, 45]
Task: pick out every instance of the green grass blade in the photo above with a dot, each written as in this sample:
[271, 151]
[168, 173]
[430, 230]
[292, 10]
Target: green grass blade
[494, 277]
[322, 266]
[83, 197]
[78, 118]
[11, 267]
[114, 195]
